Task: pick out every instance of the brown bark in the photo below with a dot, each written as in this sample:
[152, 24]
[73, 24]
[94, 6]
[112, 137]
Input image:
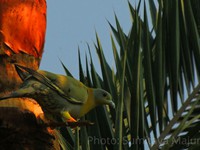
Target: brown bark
[19, 130]
[22, 34]
[22, 26]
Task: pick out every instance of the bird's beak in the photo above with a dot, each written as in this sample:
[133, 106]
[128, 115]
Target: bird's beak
[112, 104]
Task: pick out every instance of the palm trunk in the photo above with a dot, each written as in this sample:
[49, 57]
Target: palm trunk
[21, 42]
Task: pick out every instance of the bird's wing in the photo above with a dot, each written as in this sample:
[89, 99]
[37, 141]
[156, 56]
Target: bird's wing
[69, 85]
[46, 81]
[78, 90]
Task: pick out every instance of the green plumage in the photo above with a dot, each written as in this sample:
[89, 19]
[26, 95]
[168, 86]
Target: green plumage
[59, 96]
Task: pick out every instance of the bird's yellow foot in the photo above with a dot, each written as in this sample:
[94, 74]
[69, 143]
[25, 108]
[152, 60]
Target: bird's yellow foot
[68, 117]
[71, 120]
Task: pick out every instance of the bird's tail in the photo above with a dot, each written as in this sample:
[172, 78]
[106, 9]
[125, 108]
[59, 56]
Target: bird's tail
[5, 97]
[16, 94]
[9, 96]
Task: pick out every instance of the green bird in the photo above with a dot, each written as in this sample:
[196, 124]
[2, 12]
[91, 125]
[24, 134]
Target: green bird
[59, 96]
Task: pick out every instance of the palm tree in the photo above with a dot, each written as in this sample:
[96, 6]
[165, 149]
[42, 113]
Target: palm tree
[156, 82]
[22, 35]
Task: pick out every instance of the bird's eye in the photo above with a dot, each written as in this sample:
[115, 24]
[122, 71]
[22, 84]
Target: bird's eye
[104, 94]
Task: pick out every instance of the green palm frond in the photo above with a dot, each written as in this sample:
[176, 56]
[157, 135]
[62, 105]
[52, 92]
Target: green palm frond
[157, 67]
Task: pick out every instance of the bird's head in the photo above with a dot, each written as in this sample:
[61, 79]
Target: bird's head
[102, 97]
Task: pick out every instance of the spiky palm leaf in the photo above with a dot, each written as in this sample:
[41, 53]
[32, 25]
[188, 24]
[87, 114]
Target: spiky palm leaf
[156, 83]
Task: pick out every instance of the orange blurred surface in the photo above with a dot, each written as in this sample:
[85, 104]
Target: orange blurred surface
[23, 104]
[22, 26]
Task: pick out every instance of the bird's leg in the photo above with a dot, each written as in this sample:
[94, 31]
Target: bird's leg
[68, 117]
